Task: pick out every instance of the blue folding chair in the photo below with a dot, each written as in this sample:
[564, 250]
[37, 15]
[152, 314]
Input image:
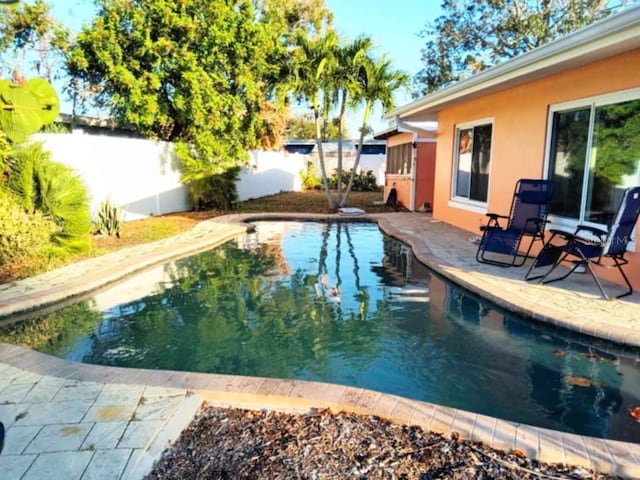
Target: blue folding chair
[527, 218]
[606, 248]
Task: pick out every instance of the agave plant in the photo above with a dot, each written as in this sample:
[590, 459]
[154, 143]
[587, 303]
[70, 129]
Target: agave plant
[109, 220]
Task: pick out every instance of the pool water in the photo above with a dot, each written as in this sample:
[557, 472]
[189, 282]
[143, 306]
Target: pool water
[343, 303]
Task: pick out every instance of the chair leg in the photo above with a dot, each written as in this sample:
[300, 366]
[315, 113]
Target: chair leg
[595, 277]
[626, 279]
[588, 265]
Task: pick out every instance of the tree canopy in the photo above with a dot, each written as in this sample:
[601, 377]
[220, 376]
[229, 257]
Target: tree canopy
[201, 73]
[303, 127]
[31, 40]
[473, 35]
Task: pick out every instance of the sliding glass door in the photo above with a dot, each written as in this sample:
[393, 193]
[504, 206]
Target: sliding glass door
[594, 154]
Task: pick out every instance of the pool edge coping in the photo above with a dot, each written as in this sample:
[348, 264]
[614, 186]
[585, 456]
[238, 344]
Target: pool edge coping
[299, 396]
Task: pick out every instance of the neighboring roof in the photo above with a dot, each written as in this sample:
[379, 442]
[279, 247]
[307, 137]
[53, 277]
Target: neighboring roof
[302, 148]
[613, 35]
[305, 147]
[98, 126]
[407, 127]
[384, 134]
[373, 149]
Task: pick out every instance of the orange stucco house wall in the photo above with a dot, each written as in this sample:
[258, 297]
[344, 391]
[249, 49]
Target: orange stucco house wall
[423, 174]
[520, 117]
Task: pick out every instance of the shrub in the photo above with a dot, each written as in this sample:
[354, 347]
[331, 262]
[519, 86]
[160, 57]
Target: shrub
[54, 190]
[365, 181]
[215, 191]
[24, 236]
[309, 179]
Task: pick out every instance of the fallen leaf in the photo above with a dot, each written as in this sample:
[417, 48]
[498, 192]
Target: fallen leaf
[581, 381]
[592, 355]
[518, 453]
[635, 413]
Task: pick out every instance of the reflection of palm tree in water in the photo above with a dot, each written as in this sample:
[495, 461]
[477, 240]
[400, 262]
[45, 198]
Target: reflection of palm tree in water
[362, 296]
[324, 286]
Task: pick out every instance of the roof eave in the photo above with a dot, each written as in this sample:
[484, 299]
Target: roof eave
[615, 34]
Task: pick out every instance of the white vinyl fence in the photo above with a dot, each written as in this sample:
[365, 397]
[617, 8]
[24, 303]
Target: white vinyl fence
[139, 175]
[143, 176]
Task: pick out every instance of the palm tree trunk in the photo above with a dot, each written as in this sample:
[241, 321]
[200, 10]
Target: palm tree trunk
[365, 119]
[343, 106]
[323, 169]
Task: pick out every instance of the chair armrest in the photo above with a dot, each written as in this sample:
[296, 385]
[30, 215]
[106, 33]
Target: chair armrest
[567, 236]
[493, 221]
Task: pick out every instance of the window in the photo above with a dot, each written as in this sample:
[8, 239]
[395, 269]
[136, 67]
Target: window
[594, 154]
[399, 159]
[472, 161]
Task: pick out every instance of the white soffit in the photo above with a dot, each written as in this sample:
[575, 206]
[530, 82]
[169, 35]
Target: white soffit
[614, 35]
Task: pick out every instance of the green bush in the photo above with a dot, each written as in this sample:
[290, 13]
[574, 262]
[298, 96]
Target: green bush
[309, 178]
[365, 181]
[216, 191]
[24, 236]
[54, 190]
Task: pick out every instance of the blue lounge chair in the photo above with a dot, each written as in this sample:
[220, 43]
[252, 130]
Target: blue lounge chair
[605, 249]
[527, 218]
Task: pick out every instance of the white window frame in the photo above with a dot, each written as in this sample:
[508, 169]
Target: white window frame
[463, 202]
[565, 223]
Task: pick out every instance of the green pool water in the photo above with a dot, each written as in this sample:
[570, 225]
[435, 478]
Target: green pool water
[343, 303]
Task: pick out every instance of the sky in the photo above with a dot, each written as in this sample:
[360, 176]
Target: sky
[394, 28]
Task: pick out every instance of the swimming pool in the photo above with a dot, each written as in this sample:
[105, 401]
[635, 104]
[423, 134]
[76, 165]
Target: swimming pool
[343, 303]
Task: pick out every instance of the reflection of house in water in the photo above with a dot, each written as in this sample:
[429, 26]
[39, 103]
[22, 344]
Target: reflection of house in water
[512, 347]
[400, 268]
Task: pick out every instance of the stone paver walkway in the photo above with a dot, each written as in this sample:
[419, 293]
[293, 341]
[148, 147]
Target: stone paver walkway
[574, 303]
[91, 274]
[65, 428]
[67, 420]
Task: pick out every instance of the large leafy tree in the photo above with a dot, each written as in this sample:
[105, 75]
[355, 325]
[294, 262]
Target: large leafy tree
[303, 127]
[473, 35]
[200, 73]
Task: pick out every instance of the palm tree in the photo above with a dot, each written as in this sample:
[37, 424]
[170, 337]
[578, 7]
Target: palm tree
[376, 81]
[313, 61]
[345, 82]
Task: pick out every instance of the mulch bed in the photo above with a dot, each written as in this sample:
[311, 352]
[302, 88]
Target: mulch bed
[238, 444]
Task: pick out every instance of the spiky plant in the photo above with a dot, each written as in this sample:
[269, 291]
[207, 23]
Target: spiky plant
[56, 191]
[109, 219]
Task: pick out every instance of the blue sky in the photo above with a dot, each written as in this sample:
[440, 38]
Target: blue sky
[393, 27]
